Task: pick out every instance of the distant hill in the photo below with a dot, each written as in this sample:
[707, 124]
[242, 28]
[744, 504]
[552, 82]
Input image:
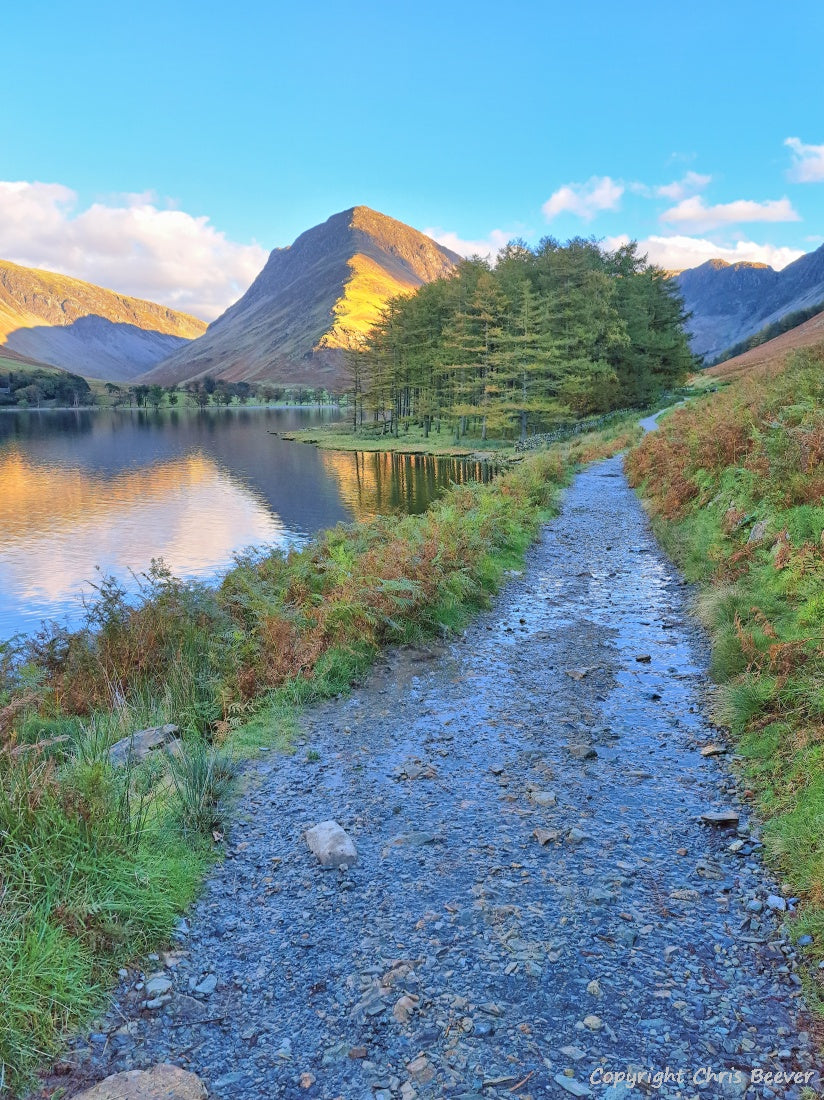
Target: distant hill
[731, 302]
[11, 360]
[83, 328]
[773, 352]
[310, 301]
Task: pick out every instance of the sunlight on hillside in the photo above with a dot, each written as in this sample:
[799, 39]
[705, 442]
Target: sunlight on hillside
[364, 297]
[30, 298]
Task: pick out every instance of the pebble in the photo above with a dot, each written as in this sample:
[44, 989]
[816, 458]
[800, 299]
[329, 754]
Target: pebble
[207, 986]
[158, 985]
[573, 1087]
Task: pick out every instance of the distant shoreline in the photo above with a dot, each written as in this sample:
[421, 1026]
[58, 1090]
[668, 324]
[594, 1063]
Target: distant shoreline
[165, 409]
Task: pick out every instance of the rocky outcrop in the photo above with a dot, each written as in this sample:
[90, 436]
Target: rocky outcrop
[136, 747]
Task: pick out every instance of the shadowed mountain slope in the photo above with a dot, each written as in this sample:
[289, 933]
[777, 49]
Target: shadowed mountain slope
[773, 352]
[731, 302]
[84, 328]
[311, 300]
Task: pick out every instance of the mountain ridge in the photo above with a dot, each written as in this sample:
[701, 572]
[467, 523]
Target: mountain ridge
[731, 302]
[78, 326]
[311, 300]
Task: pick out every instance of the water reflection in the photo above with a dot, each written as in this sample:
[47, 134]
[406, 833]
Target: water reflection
[83, 489]
[372, 483]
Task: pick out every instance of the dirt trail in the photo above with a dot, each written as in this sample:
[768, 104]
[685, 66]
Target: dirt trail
[536, 899]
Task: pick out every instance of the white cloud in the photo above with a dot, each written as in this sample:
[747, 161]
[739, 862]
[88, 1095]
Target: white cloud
[808, 161]
[585, 200]
[128, 244]
[694, 212]
[677, 253]
[488, 247]
[690, 184]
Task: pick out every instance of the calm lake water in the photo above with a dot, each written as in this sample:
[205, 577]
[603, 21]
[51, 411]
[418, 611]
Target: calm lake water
[114, 489]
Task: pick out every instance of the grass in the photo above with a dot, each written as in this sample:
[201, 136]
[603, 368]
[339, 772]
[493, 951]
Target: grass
[97, 863]
[340, 436]
[412, 439]
[735, 486]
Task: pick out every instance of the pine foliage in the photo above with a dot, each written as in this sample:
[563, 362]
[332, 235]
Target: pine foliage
[547, 335]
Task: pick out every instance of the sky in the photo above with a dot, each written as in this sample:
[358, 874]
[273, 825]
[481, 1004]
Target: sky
[163, 149]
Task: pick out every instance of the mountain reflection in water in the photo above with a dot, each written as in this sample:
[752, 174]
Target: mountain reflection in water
[114, 489]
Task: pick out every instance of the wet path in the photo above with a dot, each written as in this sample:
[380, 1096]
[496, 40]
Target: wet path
[536, 899]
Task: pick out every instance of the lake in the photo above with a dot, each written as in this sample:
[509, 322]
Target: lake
[112, 489]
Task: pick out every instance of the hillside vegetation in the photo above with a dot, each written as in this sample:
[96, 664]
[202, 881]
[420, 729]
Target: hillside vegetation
[548, 335]
[26, 385]
[735, 485]
[772, 351]
[765, 335]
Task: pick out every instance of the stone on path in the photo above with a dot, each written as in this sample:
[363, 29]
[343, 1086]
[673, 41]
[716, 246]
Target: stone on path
[573, 1052]
[594, 1023]
[137, 746]
[332, 846]
[207, 985]
[581, 751]
[542, 798]
[158, 985]
[722, 818]
[573, 1087]
[161, 1082]
[579, 673]
[404, 1008]
[421, 1070]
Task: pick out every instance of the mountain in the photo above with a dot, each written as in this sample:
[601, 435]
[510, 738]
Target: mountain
[731, 302]
[311, 300]
[83, 328]
[773, 352]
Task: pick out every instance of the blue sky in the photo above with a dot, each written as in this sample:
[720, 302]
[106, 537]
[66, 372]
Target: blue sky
[163, 149]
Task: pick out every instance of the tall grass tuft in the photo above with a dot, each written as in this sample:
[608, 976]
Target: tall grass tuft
[202, 778]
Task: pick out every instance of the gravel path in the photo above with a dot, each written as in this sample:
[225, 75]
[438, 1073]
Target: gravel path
[536, 899]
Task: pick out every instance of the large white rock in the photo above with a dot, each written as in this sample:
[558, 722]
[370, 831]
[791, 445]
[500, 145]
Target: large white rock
[161, 1082]
[332, 846]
